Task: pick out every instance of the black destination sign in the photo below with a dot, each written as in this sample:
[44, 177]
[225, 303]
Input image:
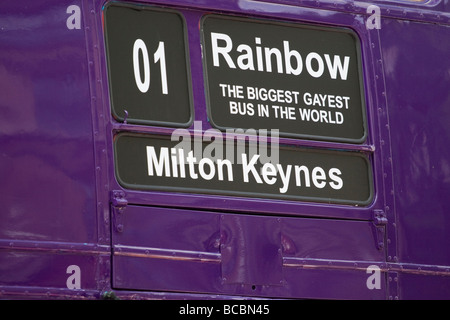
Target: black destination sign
[303, 80]
[148, 64]
[145, 162]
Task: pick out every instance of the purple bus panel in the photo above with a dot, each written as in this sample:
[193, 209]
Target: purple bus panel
[350, 202]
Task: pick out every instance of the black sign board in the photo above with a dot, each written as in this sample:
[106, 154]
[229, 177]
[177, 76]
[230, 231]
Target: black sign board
[303, 80]
[146, 162]
[148, 64]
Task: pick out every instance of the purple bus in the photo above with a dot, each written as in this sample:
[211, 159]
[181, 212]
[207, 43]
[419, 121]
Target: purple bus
[182, 149]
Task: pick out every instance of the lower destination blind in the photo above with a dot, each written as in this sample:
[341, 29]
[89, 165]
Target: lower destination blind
[244, 168]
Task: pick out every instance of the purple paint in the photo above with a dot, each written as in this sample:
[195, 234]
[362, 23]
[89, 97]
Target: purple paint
[58, 180]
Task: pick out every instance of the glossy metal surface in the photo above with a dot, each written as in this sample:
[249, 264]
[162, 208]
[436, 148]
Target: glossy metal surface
[57, 171]
[47, 156]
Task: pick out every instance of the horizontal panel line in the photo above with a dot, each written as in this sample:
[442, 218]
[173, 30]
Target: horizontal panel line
[366, 147]
[363, 266]
[167, 257]
[53, 246]
[167, 254]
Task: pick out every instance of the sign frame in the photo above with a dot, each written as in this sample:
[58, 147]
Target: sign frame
[205, 190]
[190, 102]
[257, 20]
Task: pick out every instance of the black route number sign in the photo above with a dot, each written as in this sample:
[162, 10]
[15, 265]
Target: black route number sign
[148, 65]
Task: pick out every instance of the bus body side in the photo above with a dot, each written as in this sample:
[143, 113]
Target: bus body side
[69, 229]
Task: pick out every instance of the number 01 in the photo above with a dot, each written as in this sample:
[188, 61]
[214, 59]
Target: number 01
[159, 55]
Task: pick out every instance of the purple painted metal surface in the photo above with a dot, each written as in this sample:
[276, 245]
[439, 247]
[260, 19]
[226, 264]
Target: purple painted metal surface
[243, 255]
[57, 171]
[48, 220]
[419, 131]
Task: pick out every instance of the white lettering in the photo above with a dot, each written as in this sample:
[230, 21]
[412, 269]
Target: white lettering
[269, 52]
[248, 167]
[220, 164]
[336, 65]
[162, 163]
[305, 170]
[334, 174]
[256, 166]
[318, 177]
[268, 173]
[138, 46]
[221, 50]
[248, 56]
[288, 54]
[285, 177]
[314, 73]
[201, 168]
[288, 61]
